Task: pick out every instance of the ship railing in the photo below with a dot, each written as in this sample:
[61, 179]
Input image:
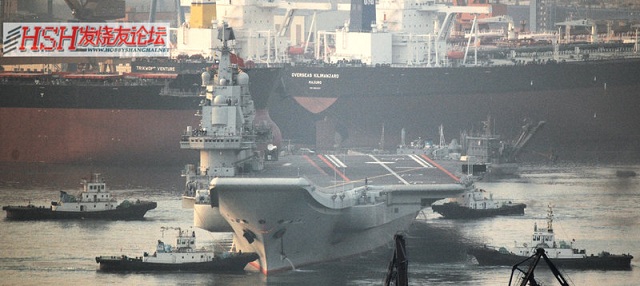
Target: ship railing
[45, 81]
[177, 93]
[228, 139]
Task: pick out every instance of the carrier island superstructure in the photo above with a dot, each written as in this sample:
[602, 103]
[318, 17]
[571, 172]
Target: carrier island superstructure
[228, 139]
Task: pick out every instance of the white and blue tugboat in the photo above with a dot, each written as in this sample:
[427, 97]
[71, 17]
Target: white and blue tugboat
[477, 203]
[95, 202]
[183, 257]
[561, 253]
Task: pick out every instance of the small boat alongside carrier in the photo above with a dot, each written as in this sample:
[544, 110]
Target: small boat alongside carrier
[184, 257]
[95, 202]
[475, 204]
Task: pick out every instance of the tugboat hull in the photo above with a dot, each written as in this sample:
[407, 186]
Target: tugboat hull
[604, 261]
[232, 262]
[456, 211]
[134, 211]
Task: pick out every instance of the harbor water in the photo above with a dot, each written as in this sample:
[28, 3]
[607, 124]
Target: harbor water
[591, 205]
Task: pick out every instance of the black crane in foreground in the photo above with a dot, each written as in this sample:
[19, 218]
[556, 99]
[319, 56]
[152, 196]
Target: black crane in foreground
[529, 277]
[397, 271]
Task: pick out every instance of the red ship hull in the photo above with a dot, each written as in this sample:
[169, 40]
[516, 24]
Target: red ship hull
[113, 119]
[57, 135]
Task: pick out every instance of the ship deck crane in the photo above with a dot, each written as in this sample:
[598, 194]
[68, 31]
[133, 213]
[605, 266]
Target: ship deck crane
[579, 23]
[292, 7]
[451, 11]
[502, 19]
[510, 33]
[528, 131]
[450, 15]
[97, 10]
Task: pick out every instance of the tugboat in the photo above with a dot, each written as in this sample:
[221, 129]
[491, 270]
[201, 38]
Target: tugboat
[95, 202]
[475, 204]
[562, 254]
[184, 257]
[625, 173]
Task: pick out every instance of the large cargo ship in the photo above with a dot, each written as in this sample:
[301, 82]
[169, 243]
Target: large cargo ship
[350, 93]
[395, 75]
[131, 117]
[88, 118]
[590, 107]
[103, 118]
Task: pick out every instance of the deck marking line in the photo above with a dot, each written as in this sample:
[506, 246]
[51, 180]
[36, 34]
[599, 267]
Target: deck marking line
[332, 166]
[330, 159]
[420, 161]
[315, 165]
[337, 161]
[389, 169]
[441, 168]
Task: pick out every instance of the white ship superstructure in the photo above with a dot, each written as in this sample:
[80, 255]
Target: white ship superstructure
[259, 27]
[405, 32]
[94, 197]
[184, 256]
[185, 244]
[545, 238]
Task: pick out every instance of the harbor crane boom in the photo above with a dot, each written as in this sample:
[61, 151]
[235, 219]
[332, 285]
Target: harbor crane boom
[291, 8]
[97, 10]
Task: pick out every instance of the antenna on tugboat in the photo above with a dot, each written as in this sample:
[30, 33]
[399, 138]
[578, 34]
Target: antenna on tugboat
[550, 219]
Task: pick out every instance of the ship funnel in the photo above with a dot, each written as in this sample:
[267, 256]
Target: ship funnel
[362, 15]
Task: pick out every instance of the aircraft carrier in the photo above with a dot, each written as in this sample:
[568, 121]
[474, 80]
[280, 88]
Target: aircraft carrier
[328, 206]
[297, 209]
